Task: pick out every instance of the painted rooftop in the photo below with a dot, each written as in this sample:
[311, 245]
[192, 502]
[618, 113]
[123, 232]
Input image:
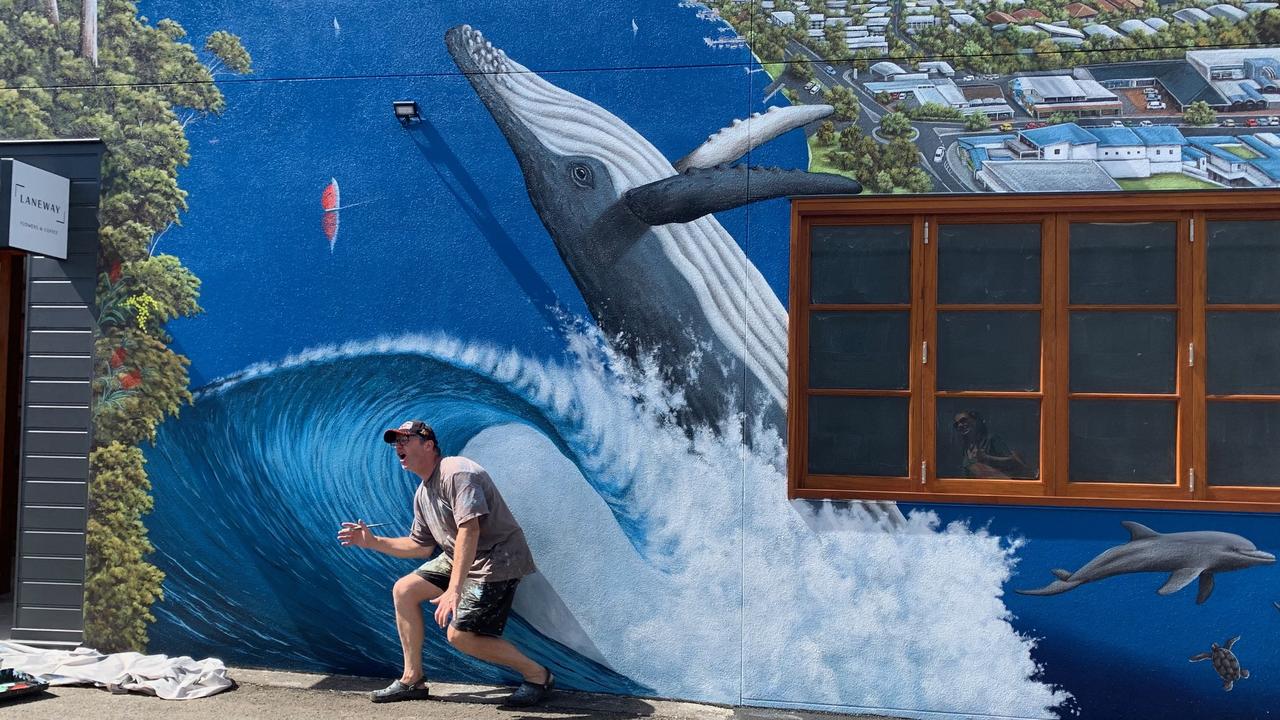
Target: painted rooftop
[1054, 134]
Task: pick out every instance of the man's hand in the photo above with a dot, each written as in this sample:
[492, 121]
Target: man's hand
[356, 533]
[446, 606]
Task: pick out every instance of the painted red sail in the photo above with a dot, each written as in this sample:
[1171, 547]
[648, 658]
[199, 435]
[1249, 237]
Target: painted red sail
[329, 200]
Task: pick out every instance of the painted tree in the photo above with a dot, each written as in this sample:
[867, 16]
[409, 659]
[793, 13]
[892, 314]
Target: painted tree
[844, 101]
[977, 121]
[89, 31]
[1199, 113]
[123, 88]
[895, 124]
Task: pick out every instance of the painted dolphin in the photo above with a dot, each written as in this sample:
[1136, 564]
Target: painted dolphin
[663, 280]
[1185, 555]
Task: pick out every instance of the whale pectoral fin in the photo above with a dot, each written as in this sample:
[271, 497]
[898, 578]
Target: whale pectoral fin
[690, 195]
[1206, 588]
[1061, 574]
[1180, 579]
[739, 138]
[1138, 531]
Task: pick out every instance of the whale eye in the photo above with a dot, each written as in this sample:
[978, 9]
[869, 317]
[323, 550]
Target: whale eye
[581, 175]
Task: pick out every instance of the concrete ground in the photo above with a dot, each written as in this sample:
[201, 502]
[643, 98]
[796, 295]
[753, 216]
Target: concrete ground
[270, 695]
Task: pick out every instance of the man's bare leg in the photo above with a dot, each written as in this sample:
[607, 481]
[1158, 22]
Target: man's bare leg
[499, 652]
[409, 593]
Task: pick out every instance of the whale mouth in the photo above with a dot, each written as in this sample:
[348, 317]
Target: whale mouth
[474, 54]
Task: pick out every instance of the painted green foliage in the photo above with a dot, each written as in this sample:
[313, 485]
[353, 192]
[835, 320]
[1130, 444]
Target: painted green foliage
[144, 77]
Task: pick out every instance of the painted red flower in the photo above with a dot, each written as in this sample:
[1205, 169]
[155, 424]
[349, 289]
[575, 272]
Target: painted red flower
[129, 381]
[117, 357]
[115, 272]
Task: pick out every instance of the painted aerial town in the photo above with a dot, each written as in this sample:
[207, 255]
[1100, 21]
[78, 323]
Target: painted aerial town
[1025, 95]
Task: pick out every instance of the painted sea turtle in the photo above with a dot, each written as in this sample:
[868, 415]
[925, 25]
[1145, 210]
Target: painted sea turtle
[1225, 662]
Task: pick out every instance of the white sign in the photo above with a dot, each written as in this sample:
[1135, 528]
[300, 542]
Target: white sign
[36, 205]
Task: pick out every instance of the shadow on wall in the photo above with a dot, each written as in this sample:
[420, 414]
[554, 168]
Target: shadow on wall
[472, 199]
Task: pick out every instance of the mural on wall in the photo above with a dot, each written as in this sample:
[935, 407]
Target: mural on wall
[603, 329]
[1186, 556]
[1029, 96]
[1225, 662]
[97, 70]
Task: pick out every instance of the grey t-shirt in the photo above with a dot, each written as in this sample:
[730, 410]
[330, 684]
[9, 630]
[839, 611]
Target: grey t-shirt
[456, 492]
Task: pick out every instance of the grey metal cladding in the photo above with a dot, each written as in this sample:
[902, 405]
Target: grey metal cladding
[51, 367]
[37, 636]
[77, 265]
[53, 542]
[54, 618]
[56, 417]
[65, 594]
[71, 392]
[56, 441]
[56, 420]
[79, 290]
[44, 467]
[79, 342]
[52, 517]
[58, 317]
[41, 567]
[57, 492]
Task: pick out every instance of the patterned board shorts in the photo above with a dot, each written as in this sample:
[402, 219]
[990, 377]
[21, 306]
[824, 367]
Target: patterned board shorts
[483, 607]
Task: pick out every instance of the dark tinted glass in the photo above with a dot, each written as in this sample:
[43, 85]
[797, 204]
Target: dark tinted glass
[858, 436]
[988, 438]
[1244, 444]
[989, 264]
[1123, 263]
[988, 351]
[859, 350]
[1244, 261]
[861, 264]
[1124, 352]
[1244, 352]
[1123, 441]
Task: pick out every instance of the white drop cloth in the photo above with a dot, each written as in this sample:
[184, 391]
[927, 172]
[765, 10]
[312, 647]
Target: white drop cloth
[180, 678]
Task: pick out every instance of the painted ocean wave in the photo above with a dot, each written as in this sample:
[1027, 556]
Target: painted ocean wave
[677, 565]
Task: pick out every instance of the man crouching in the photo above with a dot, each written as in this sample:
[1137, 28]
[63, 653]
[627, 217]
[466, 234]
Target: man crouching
[473, 580]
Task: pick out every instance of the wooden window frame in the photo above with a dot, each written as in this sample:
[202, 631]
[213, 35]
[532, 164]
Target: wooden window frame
[1190, 210]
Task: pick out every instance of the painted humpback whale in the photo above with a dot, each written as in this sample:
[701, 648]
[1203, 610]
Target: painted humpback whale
[661, 277]
[1185, 555]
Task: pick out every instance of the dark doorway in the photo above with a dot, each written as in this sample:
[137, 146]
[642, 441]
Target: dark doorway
[12, 283]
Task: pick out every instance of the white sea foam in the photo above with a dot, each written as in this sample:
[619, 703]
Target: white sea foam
[733, 593]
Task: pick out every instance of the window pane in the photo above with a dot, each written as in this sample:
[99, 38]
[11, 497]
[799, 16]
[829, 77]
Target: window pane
[1123, 441]
[1244, 352]
[1244, 444]
[858, 435]
[1123, 263]
[1244, 261]
[989, 264]
[861, 264]
[859, 350]
[988, 438]
[1124, 352]
[989, 351]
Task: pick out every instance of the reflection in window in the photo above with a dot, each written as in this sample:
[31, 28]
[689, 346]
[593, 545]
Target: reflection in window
[988, 438]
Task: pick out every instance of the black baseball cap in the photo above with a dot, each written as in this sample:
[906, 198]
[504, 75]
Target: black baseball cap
[409, 428]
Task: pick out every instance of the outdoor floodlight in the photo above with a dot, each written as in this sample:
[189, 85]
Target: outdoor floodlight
[406, 111]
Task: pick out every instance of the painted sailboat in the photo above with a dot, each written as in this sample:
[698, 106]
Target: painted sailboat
[330, 200]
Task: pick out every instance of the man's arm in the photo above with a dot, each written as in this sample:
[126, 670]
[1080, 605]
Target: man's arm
[464, 553]
[404, 547]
